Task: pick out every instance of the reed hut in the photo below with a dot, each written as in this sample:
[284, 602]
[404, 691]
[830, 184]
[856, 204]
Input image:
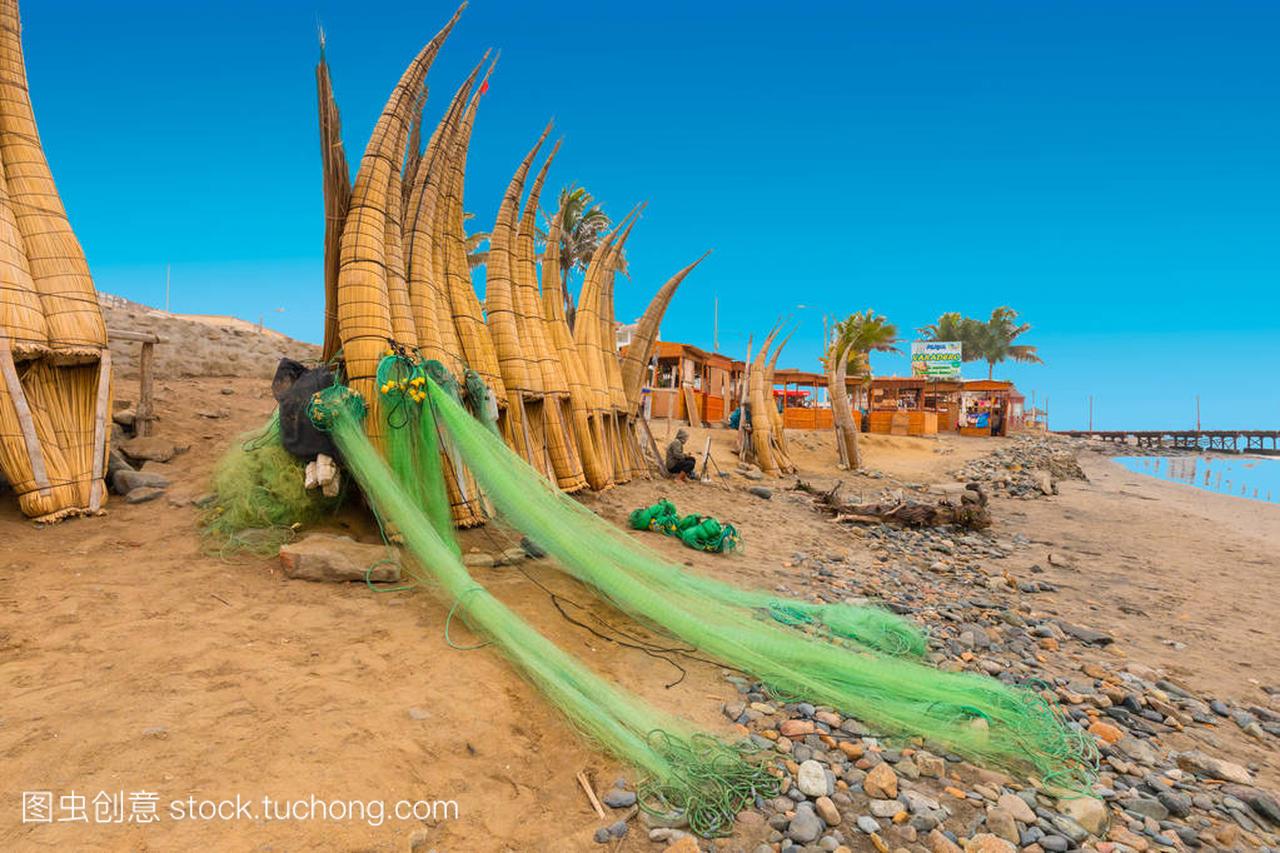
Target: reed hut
[55, 368]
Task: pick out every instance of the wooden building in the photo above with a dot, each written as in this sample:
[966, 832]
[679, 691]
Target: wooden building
[683, 379]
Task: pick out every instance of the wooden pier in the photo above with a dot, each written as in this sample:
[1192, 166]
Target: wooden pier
[1262, 441]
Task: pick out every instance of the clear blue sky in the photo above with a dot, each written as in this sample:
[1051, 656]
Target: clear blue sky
[1111, 170]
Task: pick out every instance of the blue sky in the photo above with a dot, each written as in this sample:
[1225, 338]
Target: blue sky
[1111, 170]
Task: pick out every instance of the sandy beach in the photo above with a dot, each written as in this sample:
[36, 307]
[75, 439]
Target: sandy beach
[133, 660]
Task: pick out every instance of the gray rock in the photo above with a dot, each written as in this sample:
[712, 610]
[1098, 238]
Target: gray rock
[868, 824]
[125, 480]
[142, 494]
[761, 492]
[805, 827]
[478, 560]
[1202, 764]
[812, 779]
[619, 799]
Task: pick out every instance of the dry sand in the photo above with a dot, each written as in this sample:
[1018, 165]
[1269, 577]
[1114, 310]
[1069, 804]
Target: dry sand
[131, 661]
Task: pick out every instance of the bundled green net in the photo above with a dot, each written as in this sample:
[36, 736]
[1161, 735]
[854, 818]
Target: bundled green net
[970, 714]
[260, 498]
[688, 772]
[700, 532]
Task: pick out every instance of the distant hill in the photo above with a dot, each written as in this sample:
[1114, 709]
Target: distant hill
[198, 344]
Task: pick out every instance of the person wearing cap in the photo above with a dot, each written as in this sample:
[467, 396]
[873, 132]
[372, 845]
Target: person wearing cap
[678, 462]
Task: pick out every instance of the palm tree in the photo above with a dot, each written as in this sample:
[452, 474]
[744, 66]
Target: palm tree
[583, 225]
[953, 326]
[998, 336]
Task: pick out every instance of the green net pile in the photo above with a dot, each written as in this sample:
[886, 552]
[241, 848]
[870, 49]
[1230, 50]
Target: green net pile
[839, 660]
[259, 496]
[700, 532]
[687, 771]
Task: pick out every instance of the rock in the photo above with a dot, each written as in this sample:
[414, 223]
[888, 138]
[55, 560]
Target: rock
[511, 556]
[1107, 732]
[1043, 481]
[987, 843]
[416, 713]
[812, 779]
[1146, 807]
[881, 782]
[478, 560]
[1017, 808]
[1086, 635]
[1202, 764]
[1001, 823]
[886, 808]
[761, 492]
[617, 829]
[868, 824]
[125, 480]
[1257, 800]
[1120, 835]
[1139, 750]
[326, 557]
[143, 494]
[796, 728]
[1089, 812]
[684, 844]
[805, 827]
[149, 449]
[939, 843]
[827, 811]
[619, 799]
[420, 841]
[931, 766]
[602, 836]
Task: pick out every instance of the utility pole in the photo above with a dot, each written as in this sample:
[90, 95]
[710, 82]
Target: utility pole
[1090, 413]
[1197, 413]
[166, 288]
[715, 327]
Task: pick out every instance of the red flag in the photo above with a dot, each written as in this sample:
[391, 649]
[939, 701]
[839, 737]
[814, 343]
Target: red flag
[484, 86]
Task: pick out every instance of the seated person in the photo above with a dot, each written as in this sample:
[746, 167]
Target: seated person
[678, 462]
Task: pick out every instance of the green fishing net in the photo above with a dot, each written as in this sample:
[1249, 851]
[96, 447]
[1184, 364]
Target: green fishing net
[260, 498]
[700, 532]
[688, 772]
[972, 714]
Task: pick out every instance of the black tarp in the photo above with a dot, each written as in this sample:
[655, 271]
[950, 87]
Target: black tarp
[293, 386]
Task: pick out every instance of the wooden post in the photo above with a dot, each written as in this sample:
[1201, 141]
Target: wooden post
[96, 488]
[144, 415]
[36, 456]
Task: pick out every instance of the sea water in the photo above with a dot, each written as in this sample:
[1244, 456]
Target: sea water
[1253, 477]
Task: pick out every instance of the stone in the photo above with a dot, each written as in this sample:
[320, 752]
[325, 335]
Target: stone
[1017, 808]
[761, 492]
[812, 779]
[1107, 732]
[805, 827]
[149, 448]
[796, 728]
[939, 843]
[1139, 750]
[985, 842]
[1001, 823]
[685, 844]
[619, 799]
[125, 480]
[881, 782]
[886, 808]
[1120, 835]
[1258, 800]
[326, 557]
[142, 494]
[931, 766]
[868, 824]
[1202, 764]
[1089, 812]
[1146, 807]
[478, 559]
[827, 810]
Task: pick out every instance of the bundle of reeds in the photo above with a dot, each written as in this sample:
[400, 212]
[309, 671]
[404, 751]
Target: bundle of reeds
[553, 409]
[768, 453]
[364, 293]
[55, 371]
[846, 425]
[336, 179]
[581, 397]
[640, 352]
[779, 428]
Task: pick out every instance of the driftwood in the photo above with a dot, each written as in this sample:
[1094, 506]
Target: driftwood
[969, 513]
